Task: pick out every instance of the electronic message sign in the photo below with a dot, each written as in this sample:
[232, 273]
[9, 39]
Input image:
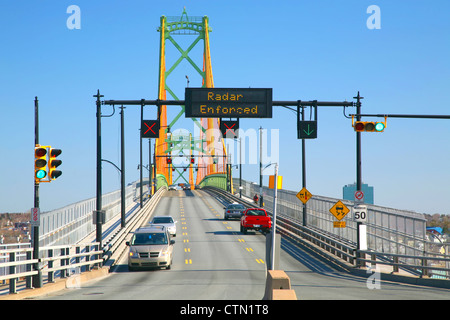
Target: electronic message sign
[228, 103]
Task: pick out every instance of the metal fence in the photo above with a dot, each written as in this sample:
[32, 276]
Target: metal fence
[396, 237]
[61, 232]
[388, 230]
[70, 224]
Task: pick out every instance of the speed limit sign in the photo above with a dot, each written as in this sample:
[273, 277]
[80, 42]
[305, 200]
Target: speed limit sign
[360, 213]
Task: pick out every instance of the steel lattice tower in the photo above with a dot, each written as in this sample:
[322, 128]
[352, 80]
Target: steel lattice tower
[208, 143]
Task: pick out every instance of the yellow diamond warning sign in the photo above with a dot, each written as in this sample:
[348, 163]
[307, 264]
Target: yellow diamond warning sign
[339, 210]
[304, 195]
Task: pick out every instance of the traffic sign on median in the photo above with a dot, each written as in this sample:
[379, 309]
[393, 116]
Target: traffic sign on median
[304, 195]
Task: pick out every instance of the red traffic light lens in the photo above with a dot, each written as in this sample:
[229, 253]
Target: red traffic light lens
[55, 152]
[359, 126]
[40, 152]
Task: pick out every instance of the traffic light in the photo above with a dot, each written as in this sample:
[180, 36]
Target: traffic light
[40, 163]
[150, 129]
[192, 160]
[169, 160]
[229, 129]
[54, 163]
[369, 126]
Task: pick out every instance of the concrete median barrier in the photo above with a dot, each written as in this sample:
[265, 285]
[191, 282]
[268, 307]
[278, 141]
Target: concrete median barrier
[278, 286]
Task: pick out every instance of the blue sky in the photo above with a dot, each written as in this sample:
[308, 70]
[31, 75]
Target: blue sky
[302, 49]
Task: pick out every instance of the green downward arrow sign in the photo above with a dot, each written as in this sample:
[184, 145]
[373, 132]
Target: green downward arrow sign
[309, 132]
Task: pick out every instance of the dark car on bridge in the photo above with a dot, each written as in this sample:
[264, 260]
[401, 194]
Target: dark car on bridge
[233, 210]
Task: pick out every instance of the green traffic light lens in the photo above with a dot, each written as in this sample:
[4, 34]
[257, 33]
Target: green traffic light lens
[40, 174]
[379, 126]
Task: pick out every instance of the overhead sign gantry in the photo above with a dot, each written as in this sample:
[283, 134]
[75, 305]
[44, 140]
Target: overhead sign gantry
[228, 103]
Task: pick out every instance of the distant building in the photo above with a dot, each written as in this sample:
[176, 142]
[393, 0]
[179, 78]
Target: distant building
[349, 192]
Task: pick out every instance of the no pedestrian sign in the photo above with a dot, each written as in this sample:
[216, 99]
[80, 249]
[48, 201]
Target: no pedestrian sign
[359, 196]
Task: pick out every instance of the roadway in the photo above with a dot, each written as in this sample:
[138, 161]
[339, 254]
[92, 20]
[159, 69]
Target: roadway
[214, 261]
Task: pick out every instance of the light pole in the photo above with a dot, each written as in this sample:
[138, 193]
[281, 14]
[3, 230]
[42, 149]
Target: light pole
[240, 166]
[274, 215]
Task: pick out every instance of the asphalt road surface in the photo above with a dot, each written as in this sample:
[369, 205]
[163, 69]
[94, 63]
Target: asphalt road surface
[214, 261]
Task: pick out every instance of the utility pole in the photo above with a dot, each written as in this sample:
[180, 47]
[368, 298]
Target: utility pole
[261, 200]
[150, 168]
[140, 166]
[358, 164]
[303, 168]
[98, 224]
[37, 279]
[122, 165]
[240, 168]
[274, 222]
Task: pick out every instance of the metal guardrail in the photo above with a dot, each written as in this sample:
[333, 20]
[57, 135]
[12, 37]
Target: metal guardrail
[422, 268]
[65, 260]
[308, 236]
[345, 252]
[71, 258]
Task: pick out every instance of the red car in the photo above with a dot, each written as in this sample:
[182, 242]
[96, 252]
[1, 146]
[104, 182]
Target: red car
[255, 219]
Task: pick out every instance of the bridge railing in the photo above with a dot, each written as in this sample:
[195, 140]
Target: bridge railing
[72, 223]
[308, 236]
[62, 261]
[395, 237]
[389, 230]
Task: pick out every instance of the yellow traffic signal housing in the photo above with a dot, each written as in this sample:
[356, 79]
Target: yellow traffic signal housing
[40, 163]
[369, 126]
[54, 163]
